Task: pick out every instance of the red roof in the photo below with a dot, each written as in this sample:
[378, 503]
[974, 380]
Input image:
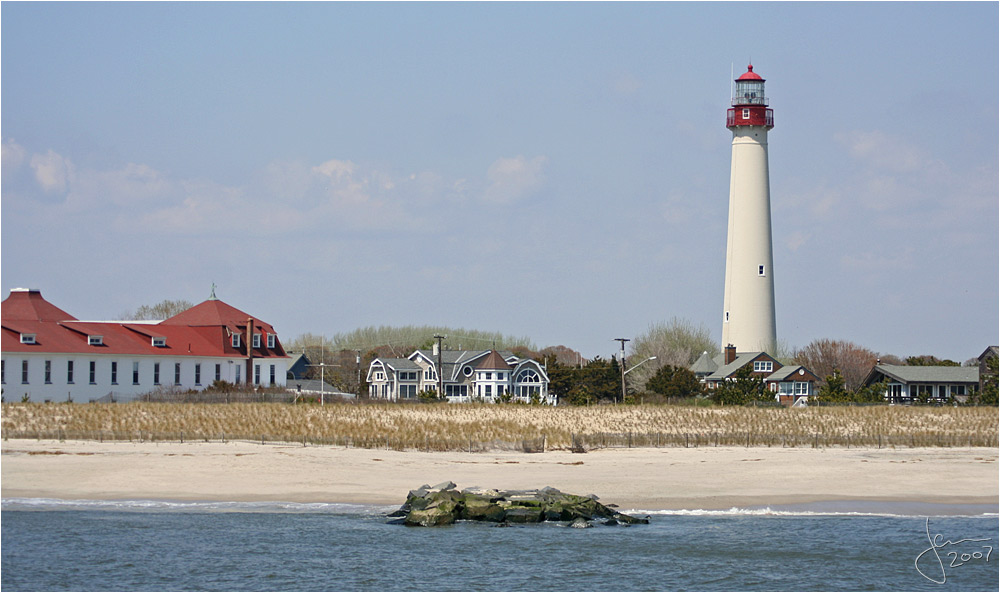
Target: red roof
[27, 304]
[750, 75]
[214, 312]
[209, 332]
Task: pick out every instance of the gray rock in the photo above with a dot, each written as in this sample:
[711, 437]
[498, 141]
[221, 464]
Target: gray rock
[443, 505]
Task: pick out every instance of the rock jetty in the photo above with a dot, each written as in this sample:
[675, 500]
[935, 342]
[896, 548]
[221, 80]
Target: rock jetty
[433, 506]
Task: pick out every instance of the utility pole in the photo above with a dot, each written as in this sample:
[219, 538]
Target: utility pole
[358, 360]
[440, 374]
[621, 364]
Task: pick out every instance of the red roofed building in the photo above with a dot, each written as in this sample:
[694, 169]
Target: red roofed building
[49, 355]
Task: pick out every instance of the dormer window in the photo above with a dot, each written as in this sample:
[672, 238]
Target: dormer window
[95, 340]
[159, 342]
[256, 340]
[28, 338]
[236, 341]
[272, 341]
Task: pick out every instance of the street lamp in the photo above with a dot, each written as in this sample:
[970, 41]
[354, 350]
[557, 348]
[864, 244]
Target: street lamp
[632, 369]
[322, 379]
[640, 364]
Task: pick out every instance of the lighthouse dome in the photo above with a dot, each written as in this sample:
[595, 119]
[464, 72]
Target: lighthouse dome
[750, 75]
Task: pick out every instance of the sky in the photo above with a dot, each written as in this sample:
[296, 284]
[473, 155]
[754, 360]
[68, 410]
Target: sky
[557, 171]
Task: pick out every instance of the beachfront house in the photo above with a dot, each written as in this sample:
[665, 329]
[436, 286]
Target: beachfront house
[489, 376]
[49, 355]
[906, 384]
[790, 384]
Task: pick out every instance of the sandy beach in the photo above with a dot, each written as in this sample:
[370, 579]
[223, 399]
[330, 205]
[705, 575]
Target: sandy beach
[668, 478]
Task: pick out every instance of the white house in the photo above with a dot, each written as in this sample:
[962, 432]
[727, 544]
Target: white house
[49, 355]
[466, 376]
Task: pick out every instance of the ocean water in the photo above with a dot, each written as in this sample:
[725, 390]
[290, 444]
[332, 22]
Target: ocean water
[52, 545]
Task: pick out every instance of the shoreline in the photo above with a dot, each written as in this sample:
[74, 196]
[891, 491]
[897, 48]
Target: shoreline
[708, 478]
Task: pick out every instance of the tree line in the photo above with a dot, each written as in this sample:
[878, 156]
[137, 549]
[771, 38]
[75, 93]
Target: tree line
[658, 362]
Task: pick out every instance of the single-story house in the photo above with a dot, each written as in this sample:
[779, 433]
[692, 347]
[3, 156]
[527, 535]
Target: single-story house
[933, 383]
[316, 388]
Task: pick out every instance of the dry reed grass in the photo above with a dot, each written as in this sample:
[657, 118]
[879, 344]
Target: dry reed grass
[467, 427]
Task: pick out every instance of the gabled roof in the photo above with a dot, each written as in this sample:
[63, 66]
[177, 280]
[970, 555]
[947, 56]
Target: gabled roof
[792, 371]
[399, 364]
[726, 371]
[924, 374]
[991, 351]
[453, 361]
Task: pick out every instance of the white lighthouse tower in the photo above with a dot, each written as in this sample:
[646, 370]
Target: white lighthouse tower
[748, 318]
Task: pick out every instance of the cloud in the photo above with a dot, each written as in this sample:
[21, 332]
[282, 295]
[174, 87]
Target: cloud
[512, 179]
[12, 156]
[881, 151]
[796, 239]
[52, 171]
[626, 83]
[281, 198]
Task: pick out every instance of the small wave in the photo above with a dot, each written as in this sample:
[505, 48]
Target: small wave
[925, 511]
[56, 504]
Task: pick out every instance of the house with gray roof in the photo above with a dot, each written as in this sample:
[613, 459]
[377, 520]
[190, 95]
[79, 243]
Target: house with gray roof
[906, 384]
[316, 388]
[465, 376]
[790, 384]
[705, 366]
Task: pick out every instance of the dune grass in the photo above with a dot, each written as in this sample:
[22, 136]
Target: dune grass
[482, 426]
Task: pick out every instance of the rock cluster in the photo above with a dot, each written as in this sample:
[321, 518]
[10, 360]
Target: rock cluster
[431, 506]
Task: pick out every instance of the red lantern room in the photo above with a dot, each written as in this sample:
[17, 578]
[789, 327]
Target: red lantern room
[749, 103]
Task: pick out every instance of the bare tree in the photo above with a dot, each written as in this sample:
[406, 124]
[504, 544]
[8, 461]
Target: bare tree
[163, 310]
[563, 355]
[677, 342]
[824, 356]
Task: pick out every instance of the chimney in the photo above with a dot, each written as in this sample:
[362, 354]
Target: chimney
[250, 351]
[435, 349]
[730, 353]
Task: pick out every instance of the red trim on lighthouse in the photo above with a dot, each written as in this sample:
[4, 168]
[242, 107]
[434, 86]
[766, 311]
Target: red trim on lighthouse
[750, 115]
[750, 74]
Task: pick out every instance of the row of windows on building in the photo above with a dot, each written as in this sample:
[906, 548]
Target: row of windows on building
[895, 391]
[404, 390]
[272, 340]
[114, 375]
[161, 342]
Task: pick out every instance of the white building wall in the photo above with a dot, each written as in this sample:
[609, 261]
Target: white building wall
[58, 389]
[749, 318]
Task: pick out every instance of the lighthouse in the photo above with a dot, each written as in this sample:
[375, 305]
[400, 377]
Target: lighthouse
[748, 317]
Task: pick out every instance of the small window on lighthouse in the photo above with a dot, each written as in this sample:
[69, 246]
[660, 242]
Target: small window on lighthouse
[746, 114]
[760, 271]
[727, 316]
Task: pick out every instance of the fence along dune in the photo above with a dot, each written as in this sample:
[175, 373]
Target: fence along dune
[480, 427]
